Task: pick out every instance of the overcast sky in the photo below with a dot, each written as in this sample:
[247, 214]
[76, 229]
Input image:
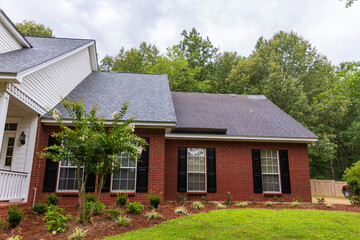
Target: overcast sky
[230, 25]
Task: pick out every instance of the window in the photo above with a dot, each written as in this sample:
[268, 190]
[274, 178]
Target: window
[9, 151]
[10, 126]
[196, 169]
[67, 177]
[125, 177]
[270, 170]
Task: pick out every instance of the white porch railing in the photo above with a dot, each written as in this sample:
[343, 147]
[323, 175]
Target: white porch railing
[13, 185]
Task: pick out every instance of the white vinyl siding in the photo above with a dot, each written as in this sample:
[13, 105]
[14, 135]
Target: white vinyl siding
[270, 170]
[7, 41]
[48, 85]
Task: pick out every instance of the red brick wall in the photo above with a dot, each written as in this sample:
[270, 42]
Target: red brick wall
[156, 166]
[234, 169]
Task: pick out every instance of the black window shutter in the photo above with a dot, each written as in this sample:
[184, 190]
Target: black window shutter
[182, 169]
[284, 171]
[256, 160]
[211, 170]
[51, 169]
[90, 183]
[143, 169]
[106, 185]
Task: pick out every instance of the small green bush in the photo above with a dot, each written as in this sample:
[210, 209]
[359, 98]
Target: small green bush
[1, 222]
[52, 199]
[135, 207]
[229, 199]
[321, 200]
[122, 220]
[279, 199]
[299, 199]
[114, 212]
[220, 205]
[90, 198]
[328, 205]
[198, 205]
[55, 220]
[181, 199]
[78, 234]
[269, 203]
[155, 200]
[14, 216]
[294, 204]
[181, 209]
[153, 215]
[99, 207]
[352, 177]
[242, 204]
[39, 208]
[121, 199]
[206, 199]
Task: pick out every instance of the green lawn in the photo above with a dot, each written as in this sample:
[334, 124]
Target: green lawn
[255, 224]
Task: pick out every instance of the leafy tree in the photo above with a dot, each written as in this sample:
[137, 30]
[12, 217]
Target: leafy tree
[352, 177]
[31, 28]
[92, 147]
[349, 3]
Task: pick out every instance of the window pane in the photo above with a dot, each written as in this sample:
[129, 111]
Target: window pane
[11, 141]
[196, 182]
[271, 183]
[68, 178]
[124, 179]
[8, 161]
[270, 171]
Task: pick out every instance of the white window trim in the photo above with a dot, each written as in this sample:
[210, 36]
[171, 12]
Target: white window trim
[58, 178]
[123, 190]
[279, 173]
[187, 173]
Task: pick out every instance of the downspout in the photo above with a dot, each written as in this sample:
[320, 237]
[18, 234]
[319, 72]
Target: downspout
[34, 197]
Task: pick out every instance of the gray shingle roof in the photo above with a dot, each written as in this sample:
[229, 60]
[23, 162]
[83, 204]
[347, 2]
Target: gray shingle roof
[149, 95]
[43, 50]
[241, 115]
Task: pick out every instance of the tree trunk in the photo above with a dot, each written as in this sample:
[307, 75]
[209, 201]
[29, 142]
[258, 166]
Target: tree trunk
[82, 198]
[97, 197]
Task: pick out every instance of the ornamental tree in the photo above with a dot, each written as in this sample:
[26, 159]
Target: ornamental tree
[92, 146]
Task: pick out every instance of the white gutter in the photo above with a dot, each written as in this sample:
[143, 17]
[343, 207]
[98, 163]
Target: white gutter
[217, 137]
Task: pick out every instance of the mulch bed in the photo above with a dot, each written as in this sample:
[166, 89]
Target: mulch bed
[33, 227]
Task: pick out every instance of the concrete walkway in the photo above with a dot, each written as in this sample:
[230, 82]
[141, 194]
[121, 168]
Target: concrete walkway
[344, 201]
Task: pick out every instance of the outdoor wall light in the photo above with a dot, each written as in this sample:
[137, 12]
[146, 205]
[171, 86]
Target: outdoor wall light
[22, 138]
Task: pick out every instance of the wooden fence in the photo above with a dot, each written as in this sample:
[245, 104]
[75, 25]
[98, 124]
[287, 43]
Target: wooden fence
[329, 188]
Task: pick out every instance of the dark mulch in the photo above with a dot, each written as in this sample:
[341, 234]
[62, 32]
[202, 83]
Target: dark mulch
[33, 227]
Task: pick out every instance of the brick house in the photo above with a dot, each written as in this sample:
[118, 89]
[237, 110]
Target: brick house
[199, 144]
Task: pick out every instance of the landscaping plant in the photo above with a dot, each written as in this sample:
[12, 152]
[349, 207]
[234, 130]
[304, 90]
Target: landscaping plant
[269, 203]
[242, 204]
[352, 177]
[294, 204]
[220, 205]
[155, 199]
[279, 199]
[14, 216]
[1, 222]
[153, 215]
[90, 198]
[92, 146]
[121, 199]
[229, 199]
[181, 199]
[328, 205]
[78, 234]
[122, 220]
[98, 208]
[55, 220]
[16, 237]
[181, 209]
[299, 199]
[135, 207]
[321, 200]
[197, 205]
[52, 199]
[39, 208]
[206, 199]
[114, 212]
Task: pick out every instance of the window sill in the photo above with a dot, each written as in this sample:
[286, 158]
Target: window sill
[71, 193]
[272, 194]
[196, 193]
[130, 193]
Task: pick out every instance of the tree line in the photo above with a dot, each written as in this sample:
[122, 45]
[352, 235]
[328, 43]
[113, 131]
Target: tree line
[286, 68]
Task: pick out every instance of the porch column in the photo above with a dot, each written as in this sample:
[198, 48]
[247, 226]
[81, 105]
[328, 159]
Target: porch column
[4, 103]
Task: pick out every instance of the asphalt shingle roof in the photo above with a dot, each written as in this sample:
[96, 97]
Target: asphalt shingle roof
[43, 50]
[149, 95]
[241, 115]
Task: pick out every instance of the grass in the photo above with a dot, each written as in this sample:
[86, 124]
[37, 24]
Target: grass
[255, 224]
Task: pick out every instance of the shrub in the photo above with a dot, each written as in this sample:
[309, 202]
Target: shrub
[279, 199]
[121, 199]
[181, 199]
[299, 199]
[198, 205]
[78, 234]
[14, 216]
[153, 215]
[269, 203]
[253, 200]
[16, 237]
[114, 212]
[229, 199]
[321, 200]
[135, 207]
[242, 204]
[220, 205]
[206, 199]
[39, 208]
[181, 209]
[55, 220]
[52, 199]
[328, 205]
[122, 220]
[352, 177]
[1, 222]
[294, 204]
[90, 198]
[99, 207]
[155, 200]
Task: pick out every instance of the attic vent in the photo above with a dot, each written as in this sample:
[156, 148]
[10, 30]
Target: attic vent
[256, 96]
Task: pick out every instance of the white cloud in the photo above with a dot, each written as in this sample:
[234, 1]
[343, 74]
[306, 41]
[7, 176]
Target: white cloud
[232, 25]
